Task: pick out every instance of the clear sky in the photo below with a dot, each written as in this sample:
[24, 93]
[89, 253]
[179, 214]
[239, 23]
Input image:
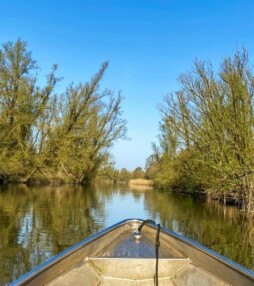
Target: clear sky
[148, 43]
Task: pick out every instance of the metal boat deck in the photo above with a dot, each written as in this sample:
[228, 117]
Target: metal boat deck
[120, 271]
[114, 257]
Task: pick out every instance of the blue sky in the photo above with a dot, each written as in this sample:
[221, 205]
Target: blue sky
[148, 43]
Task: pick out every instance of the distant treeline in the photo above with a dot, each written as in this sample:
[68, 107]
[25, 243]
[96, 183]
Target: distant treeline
[207, 133]
[48, 136]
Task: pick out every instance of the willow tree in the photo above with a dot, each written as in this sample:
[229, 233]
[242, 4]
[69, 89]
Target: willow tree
[45, 135]
[89, 122]
[212, 116]
[22, 105]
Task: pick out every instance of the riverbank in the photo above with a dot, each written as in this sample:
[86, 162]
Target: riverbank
[140, 182]
[141, 185]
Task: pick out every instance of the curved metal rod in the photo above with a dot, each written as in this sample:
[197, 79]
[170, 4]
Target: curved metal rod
[145, 222]
[137, 234]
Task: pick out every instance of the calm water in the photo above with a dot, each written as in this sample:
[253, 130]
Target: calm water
[39, 222]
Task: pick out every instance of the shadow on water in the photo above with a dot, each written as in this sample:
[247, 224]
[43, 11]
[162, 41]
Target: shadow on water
[39, 222]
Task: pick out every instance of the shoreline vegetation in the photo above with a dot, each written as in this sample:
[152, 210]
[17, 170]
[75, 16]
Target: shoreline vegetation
[141, 182]
[141, 185]
[46, 135]
[206, 145]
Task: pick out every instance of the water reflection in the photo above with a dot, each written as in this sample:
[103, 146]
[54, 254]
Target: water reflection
[223, 229]
[39, 222]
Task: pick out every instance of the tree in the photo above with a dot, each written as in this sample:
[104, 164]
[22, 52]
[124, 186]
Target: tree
[124, 176]
[108, 173]
[22, 107]
[138, 173]
[207, 129]
[89, 122]
[45, 136]
[151, 167]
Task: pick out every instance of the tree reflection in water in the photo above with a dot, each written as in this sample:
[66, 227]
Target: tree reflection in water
[39, 222]
[222, 228]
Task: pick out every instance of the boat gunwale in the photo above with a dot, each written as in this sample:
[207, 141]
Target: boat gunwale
[68, 251]
[79, 245]
[212, 253]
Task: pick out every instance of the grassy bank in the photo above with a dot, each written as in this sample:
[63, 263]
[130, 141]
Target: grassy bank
[141, 182]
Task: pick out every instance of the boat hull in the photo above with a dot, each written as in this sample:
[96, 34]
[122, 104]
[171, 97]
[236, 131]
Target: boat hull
[114, 257]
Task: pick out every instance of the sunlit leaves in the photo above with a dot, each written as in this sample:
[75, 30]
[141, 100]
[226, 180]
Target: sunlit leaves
[207, 129]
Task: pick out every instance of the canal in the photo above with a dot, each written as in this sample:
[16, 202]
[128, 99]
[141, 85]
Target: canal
[36, 223]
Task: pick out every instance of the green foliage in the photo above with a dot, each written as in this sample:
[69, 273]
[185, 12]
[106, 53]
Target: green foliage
[152, 166]
[138, 173]
[88, 123]
[44, 135]
[107, 173]
[22, 108]
[207, 131]
[124, 176]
